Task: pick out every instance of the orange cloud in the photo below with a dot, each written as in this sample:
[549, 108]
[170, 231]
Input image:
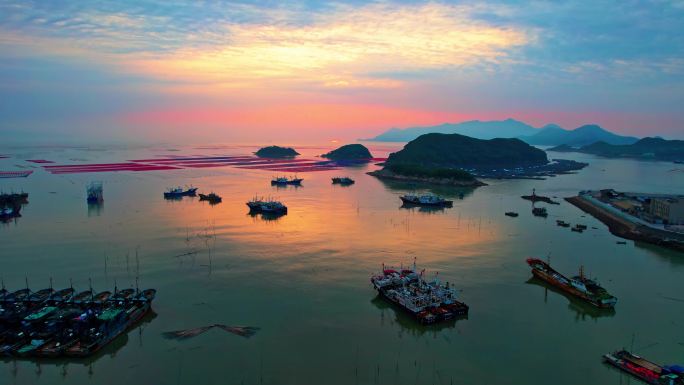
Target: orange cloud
[347, 48]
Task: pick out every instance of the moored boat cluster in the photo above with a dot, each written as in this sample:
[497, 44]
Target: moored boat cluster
[52, 323]
[428, 302]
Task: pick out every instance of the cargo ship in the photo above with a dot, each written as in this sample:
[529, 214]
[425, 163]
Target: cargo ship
[427, 302]
[646, 370]
[578, 286]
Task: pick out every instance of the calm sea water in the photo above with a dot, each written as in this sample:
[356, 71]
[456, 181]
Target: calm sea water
[303, 279]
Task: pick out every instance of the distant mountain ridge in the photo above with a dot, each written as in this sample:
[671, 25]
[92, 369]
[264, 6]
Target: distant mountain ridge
[646, 148]
[509, 128]
[551, 134]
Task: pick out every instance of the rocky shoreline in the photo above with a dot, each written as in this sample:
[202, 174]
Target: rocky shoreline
[389, 175]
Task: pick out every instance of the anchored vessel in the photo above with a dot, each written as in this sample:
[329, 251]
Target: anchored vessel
[644, 369]
[578, 286]
[425, 200]
[511, 214]
[50, 323]
[540, 212]
[211, 197]
[343, 180]
[94, 191]
[281, 181]
[266, 207]
[177, 192]
[428, 302]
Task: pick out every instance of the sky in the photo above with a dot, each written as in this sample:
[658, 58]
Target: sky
[242, 71]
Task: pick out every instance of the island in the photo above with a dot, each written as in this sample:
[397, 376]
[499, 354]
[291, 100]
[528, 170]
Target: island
[349, 152]
[646, 149]
[429, 175]
[276, 152]
[459, 160]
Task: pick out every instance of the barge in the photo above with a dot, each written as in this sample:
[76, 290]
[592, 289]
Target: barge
[645, 370]
[578, 286]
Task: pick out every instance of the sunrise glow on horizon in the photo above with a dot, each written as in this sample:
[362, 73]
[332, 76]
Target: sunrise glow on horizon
[244, 71]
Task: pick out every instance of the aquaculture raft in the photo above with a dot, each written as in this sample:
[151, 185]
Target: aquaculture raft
[15, 174]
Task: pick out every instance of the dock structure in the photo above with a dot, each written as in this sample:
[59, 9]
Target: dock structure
[627, 225]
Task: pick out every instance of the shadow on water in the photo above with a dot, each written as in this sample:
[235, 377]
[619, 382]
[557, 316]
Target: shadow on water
[95, 209]
[675, 258]
[407, 323]
[287, 186]
[424, 209]
[452, 192]
[110, 350]
[267, 217]
[582, 309]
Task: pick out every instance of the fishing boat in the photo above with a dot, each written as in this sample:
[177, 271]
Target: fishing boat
[577, 229]
[179, 192]
[425, 200]
[40, 295]
[343, 181]
[578, 286]
[82, 297]
[16, 296]
[122, 295]
[101, 297]
[266, 207]
[645, 370]
[273, 208]
[540, 212]
[511, 214]
[65, 323]
[107, 325]
[281, 181]
[428, 302]
[15, 174]
[94, 193]
[211, 197]
[7, 213]
[63, 295]
[562, 223]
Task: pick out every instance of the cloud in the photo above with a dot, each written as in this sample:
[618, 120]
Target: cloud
[344, 46]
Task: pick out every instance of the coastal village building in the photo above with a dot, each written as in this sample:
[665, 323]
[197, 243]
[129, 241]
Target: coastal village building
[669, 210]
